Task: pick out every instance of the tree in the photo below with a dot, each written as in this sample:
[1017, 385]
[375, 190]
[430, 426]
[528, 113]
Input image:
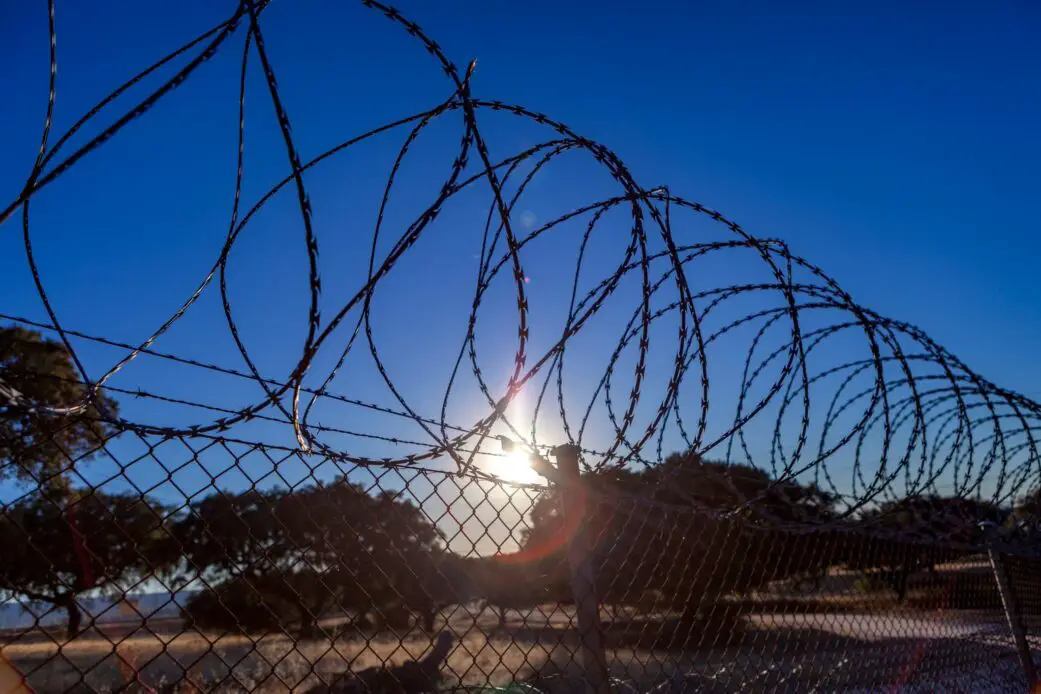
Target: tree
[1025, 519]
[518, 581]
[743, 537]
[688, 531]
[91, 540]
[252, 547]
[316, 548]
[1029, 505]
[905, 536]
[408, 559]
[378, 552]
[260, 602]
[36, 446]
[442, 579]
[226, 534]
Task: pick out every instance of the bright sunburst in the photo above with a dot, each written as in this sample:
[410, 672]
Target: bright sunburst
[515, 467]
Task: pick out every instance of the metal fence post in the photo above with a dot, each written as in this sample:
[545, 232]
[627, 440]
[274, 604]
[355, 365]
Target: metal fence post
[1008, 602]
[583, 580]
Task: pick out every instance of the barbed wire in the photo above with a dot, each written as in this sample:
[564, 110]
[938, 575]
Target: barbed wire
[907, 418]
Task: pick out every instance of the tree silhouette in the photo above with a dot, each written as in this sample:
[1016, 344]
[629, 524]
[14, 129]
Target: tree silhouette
[905, 536]
[518, 581]
[380, 553]
[54, 551]
[313, 549]
[1025, 519]
[260, 602]
[36, 446]
[687, 531]
[228, 534]
[250, 548]
[1030, 504]
[442, 579]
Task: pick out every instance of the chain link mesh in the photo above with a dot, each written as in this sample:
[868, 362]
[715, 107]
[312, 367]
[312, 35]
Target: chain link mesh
[856, 511]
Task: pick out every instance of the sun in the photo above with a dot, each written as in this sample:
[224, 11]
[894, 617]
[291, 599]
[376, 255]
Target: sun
[515, 467]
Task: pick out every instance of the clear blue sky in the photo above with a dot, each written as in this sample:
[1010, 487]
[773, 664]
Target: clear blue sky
[893, 144]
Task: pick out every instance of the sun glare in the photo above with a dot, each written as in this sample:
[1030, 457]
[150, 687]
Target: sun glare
[516, 467]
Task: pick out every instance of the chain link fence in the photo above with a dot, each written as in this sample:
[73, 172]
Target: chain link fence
[247, 566]
[857, 511]
[296, 586]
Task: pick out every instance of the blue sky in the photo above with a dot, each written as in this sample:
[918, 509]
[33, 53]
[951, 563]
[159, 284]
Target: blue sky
[893, 145]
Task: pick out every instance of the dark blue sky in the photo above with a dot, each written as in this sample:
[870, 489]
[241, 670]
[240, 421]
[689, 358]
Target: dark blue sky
[893, 144]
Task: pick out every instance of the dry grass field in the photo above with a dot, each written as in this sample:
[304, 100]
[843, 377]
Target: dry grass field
[834, 639]
[847, 652]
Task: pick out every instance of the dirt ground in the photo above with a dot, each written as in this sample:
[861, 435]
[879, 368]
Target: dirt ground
[159, 656]
[833, 638]
[769, 652]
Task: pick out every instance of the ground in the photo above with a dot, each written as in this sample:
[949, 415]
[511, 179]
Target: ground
[837, 641]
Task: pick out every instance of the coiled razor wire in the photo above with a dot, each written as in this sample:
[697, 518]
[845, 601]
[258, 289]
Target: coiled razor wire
[907, 417]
